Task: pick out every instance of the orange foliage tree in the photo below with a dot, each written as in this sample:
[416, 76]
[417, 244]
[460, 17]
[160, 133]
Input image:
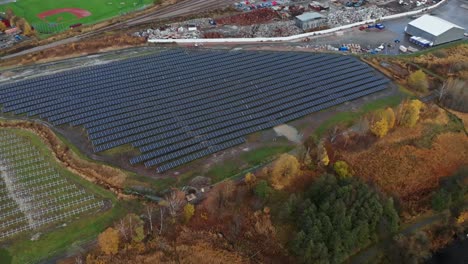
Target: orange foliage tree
[109, 241]
[284, 170]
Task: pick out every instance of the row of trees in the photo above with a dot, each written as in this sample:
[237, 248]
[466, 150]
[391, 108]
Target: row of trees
[407, 115]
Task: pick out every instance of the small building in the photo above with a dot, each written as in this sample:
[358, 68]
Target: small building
[310, 20]
[435, 30]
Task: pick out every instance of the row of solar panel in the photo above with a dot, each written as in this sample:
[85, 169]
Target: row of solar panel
[87, 87]
[203, 153]
[226, 87]
[200, 154]
[281, 99]
[256, 97]
[190, 96]
[164, 156]
[130, 107]
[210, 117]
[67, 106]
[101, 70]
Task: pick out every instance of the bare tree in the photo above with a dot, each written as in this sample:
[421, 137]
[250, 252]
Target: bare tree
[79, 259]
[442, 91]
[174, 203]
[334, 133]
[161, 212]
[149, 214]
[122, 227]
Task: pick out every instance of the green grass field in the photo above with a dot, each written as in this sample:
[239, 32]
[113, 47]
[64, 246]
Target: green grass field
[100, 10]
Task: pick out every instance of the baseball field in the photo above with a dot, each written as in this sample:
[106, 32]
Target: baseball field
[49, 16]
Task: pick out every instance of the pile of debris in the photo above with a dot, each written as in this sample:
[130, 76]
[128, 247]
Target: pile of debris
[274, 29]
[190, 29]
[349, 16]
[169, 33]
[251, 18]
[248, 5]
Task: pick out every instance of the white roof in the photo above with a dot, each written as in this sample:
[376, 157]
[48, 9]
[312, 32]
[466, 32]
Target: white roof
[310, 16]
[433, 25]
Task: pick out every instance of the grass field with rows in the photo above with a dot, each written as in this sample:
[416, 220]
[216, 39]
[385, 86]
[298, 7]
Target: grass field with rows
[39, 195]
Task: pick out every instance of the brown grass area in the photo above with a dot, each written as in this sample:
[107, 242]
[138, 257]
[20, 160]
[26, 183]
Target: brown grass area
[408, 172]
[451, 61]
[109, 177]
[462, 116]
[84, 47]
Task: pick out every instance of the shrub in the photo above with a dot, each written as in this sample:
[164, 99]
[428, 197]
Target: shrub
[418, 81]
[342, 169]
[380, 128]
[262, 190]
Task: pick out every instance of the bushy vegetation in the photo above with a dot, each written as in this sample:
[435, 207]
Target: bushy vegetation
[418, 81]
[337, 217]
[453, 191]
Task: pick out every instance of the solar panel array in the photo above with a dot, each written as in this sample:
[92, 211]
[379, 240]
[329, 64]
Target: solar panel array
[179, 105]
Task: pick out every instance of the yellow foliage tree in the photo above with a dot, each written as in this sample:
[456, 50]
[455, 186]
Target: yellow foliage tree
[109, 241]
[25, 27]
[324, 159]
[380, 128]
[390, 117]
[462, 218]
[342, 169]
[250, 179]
[189, 211]
[284, 169]
[418, 81]
[410, 113]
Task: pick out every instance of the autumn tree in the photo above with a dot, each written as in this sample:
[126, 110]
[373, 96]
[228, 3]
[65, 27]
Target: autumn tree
[189, 211]
[25, 27]
[324, 160]
[389, 115]
[284, 170]
[410, 113]
[342, 169]
[9, 13]
[109, 241]
[380, 128]
[250, 179]
[418, 81]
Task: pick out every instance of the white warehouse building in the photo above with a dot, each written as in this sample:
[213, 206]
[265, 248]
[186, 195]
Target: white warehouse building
[435, 30]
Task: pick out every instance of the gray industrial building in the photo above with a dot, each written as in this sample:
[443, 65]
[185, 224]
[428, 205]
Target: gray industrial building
[434, 29]
[310, 20]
